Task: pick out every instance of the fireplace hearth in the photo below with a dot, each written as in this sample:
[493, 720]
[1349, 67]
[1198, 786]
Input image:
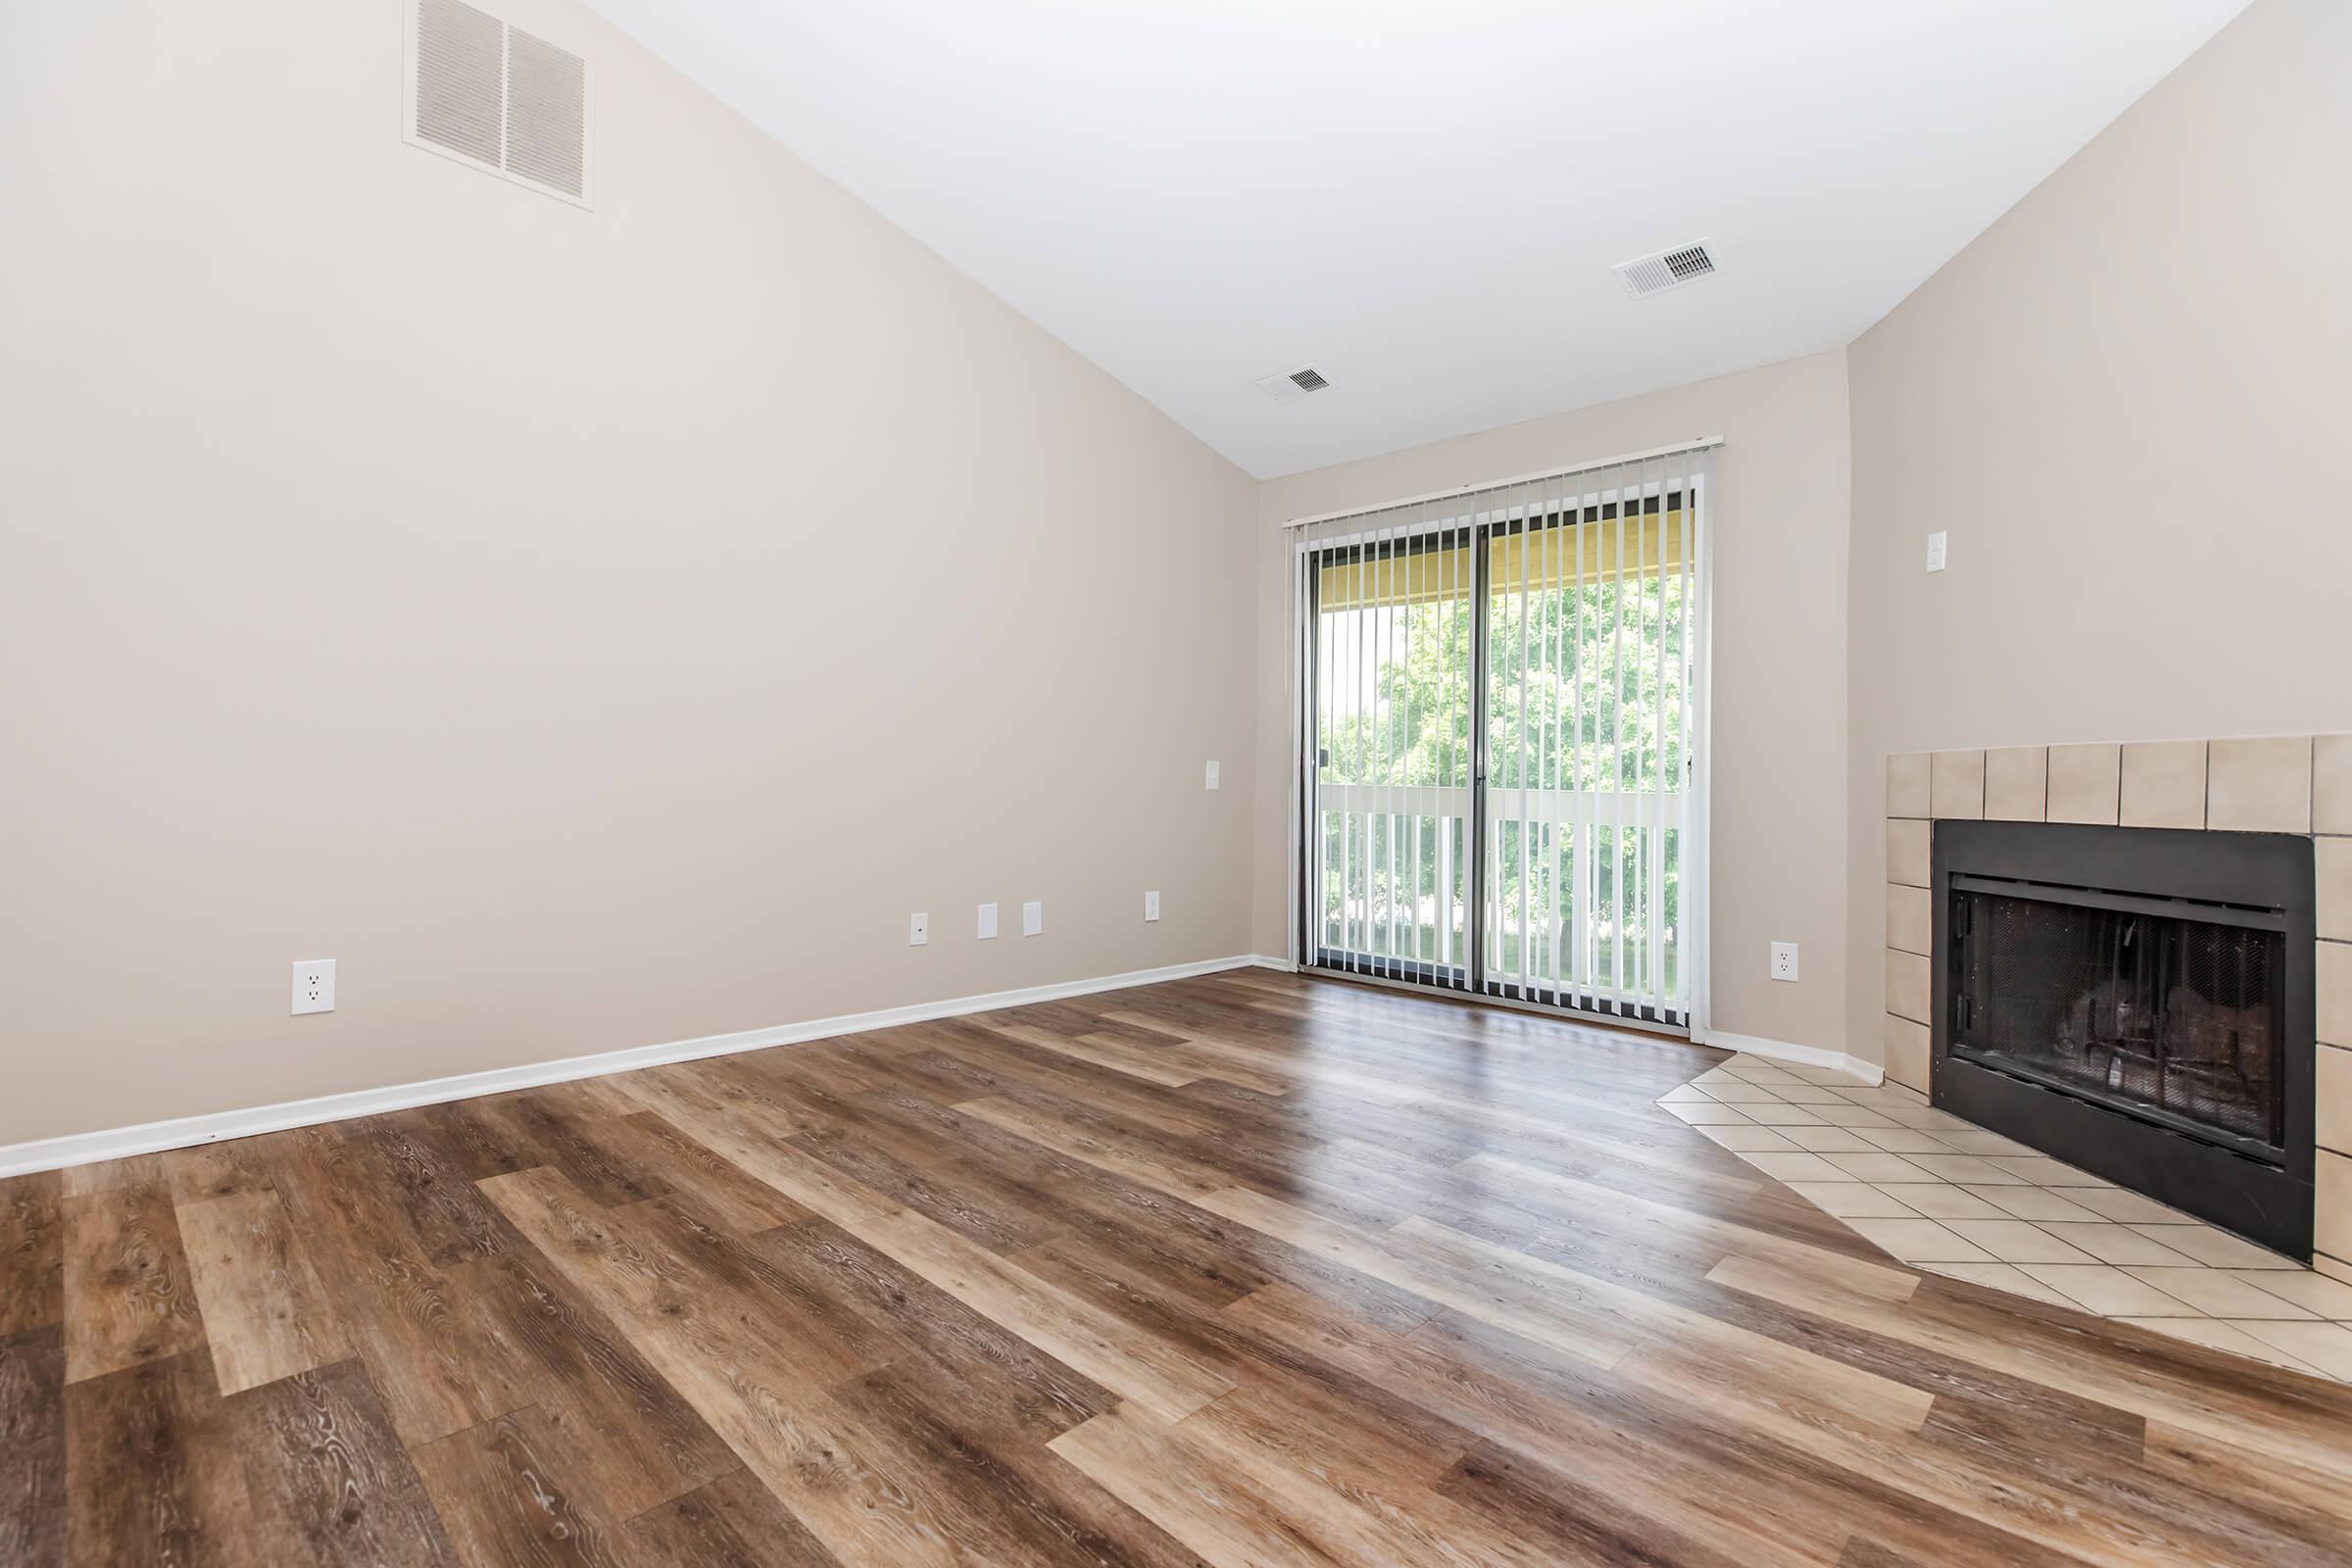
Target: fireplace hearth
[2136, 1001]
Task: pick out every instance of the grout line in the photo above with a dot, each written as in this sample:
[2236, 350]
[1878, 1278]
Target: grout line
[2055, 1290]
[2239, 1274]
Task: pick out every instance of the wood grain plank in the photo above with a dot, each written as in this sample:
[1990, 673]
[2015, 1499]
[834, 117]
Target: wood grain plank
[509, 1492]
[814, 1456]
[734, 1093]
[32, 1253]
[594, 1156]
[1547, 1514]
[479, 1142]
[654, 1267]
[733, 1522]
[420, 1189]
[33, 1447]
[153, 1468]
[1155, 1374]
[2309, 1436]
[127, 1291]
[757, 1149]
[222, 1169]
[643, 1444]
[327, 1471]
[1884, 1281]
[1357, 1503]
[1102, 1051]
[1211, 1508]
[696, 1175]
[1062, 1325]
[111, 1175]
[265, 1314]
[833, 1339]
[1003, 1495]
[1118, 1150]
[968, 1202]
[1631, 1466]
[431, 1351]
[1248, 1269]
[1268, 1071]
[1012, 1070]
[601, 1253]
[954, 1346]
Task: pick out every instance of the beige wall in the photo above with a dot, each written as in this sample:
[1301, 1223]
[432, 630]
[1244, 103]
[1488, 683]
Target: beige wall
[2126, 404]
[572, 621]
[1779, 659]
[593, 629]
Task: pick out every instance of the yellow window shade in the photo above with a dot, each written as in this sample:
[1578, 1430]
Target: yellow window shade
[1422, 578]
[1651, 547]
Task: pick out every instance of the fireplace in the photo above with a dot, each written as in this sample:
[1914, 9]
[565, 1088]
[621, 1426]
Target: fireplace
[2136, 1001]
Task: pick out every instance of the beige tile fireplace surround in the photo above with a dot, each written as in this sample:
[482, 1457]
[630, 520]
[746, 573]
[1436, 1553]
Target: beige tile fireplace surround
[2292, 784]
[1948, 1198]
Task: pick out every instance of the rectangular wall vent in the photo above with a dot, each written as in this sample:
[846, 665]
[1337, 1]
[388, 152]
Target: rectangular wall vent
[1292, 384]
[489, 94]
[1665, 270]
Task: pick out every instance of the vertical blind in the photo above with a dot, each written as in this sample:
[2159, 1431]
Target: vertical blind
[1500, 705]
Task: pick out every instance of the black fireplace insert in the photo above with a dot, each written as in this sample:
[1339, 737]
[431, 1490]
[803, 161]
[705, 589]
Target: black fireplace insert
[2136, 1001]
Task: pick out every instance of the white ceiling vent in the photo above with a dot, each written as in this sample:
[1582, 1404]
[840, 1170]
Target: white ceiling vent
[494, 96]
[1294, 384]
[1656, 273]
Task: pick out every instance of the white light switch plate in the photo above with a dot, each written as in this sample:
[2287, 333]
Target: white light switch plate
[314, 985]
[988, 922]
[1212, 775]
[1033, 918]
[1935, 552]
[1783, 960]
[1152, 906]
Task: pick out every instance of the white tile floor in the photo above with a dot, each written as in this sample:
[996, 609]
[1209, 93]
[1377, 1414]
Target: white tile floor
[1949, 1198]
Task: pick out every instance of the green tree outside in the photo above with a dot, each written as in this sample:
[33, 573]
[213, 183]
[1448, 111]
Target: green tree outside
[1585, 689]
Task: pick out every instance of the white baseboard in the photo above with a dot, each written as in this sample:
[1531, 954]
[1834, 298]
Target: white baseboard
[1788, 1051]
[80, 1149]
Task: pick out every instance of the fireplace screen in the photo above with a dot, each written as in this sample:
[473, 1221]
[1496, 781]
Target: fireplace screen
[2170, 1018]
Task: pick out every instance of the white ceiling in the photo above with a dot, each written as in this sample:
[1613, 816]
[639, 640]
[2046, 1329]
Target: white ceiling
[1423, 200]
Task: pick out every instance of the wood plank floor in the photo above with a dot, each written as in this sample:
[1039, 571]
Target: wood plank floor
[1248, 1269]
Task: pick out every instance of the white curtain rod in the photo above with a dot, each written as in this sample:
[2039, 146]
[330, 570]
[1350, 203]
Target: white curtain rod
[1675, 450]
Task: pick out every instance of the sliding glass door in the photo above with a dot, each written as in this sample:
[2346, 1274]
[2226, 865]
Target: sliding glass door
[1504, 697]
[1396, 625]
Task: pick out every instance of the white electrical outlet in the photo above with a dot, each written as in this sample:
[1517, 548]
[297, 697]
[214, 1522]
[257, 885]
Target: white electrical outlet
[988, 922]
[314, 985]
[1935, 552]
[1033, 918]
[1212, 775]
[1151, 906]
[918, 930]
[1783, 960]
